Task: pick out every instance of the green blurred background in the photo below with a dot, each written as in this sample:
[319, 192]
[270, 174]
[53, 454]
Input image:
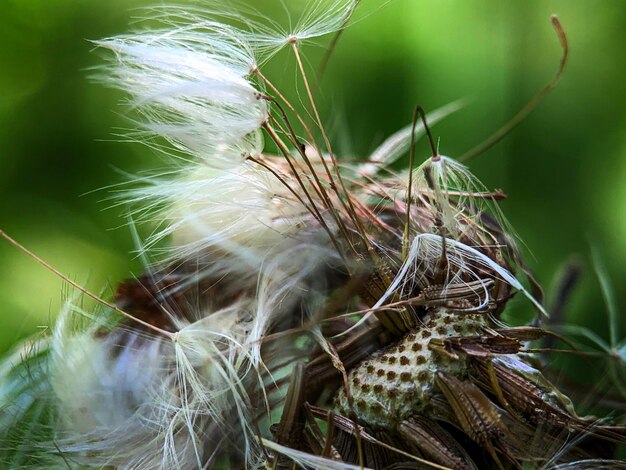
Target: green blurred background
[564, 168]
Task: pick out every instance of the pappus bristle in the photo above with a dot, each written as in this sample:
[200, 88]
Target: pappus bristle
[458, 199]
[127, 398]
[462, 264]
[189, 85]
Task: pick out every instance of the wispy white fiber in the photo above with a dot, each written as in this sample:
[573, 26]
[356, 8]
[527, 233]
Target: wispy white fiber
[189, 85]
[289, 282]
[319, 18]
[131, 400]
[425, 254]
[454, 192]
[306, 460]
[244, 211]
[188, 79]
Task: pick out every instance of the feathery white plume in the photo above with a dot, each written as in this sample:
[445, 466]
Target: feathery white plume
[320, 17]
[454, 192]
[426, 252]
[189, 84]
[132, 400]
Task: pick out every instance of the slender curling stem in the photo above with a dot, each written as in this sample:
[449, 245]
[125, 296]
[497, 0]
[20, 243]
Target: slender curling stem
[530, 106]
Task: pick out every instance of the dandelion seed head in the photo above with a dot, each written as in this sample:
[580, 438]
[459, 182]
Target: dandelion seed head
[288, 289]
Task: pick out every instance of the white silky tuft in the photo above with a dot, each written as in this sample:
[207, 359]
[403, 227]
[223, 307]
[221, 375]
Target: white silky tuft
[242, 213]
[425, 254]
[319, 18]
[189, 84]
[264, 36]
[454, 193]
[132, 400]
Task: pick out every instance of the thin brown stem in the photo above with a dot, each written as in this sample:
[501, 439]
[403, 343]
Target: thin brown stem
[283, 181]
[405, 238]
[321, 189]
[285, 151]
[82, 289]
[349, 207]
[433, 148]
[335, 41]
[318, 186]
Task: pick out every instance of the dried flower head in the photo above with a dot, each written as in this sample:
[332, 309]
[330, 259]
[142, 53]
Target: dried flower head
[305, 312]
